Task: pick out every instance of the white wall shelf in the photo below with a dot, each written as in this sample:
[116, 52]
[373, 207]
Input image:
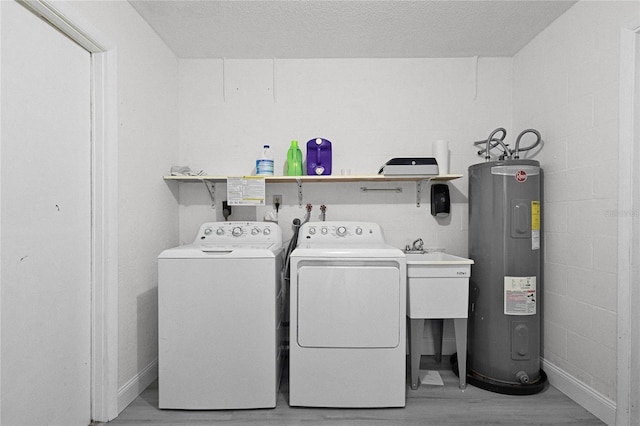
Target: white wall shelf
[330, 178]
[210, 181]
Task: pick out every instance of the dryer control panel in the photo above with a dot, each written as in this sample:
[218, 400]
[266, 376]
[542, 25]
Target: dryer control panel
[233, 232]
[341, 233]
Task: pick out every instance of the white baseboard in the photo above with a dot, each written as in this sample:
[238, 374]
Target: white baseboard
[134, 387]
[594, 402]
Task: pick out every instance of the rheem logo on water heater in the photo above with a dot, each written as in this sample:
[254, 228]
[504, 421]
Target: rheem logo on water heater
[521, 175]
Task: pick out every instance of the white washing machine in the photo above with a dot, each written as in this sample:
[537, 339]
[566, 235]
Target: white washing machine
[219, 318]
[347, 316]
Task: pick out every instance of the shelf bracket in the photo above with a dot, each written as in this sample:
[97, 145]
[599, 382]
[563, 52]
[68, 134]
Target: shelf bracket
[211, 188]
[419, 187]
[299, 182]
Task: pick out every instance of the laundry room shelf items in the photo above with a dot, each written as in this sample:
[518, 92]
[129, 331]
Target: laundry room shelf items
[420, 181]
[328, 179]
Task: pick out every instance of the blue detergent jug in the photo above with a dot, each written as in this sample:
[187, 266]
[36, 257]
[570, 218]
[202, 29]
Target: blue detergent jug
[318, 157]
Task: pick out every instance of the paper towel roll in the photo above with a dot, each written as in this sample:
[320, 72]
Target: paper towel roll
[441, 152]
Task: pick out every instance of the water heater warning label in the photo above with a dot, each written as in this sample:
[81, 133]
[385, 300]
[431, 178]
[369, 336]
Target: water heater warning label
[535, 225]
[535, 215]
[520, 295]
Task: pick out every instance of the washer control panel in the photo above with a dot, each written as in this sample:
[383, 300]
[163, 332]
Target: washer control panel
[345, 232]
[229, 232]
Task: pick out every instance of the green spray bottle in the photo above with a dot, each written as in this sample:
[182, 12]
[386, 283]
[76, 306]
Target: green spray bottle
[294, 160]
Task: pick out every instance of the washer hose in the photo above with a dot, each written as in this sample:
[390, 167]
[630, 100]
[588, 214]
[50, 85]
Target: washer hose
[294, 240]
[492, 142]
[518, 149]
[487, 157]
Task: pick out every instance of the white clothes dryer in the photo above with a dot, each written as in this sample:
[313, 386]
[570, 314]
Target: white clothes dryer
[347, 316]
[220, 315]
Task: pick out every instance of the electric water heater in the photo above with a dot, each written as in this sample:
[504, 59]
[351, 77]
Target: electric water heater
[505, 284]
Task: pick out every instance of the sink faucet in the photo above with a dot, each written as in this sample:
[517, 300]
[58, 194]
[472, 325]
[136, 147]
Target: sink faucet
[418, 245]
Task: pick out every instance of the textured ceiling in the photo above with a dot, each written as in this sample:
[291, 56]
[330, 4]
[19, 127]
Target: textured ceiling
[348, 29]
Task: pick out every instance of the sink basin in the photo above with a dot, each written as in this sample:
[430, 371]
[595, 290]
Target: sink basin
[437, 285]
[437, 288]
[436, 258]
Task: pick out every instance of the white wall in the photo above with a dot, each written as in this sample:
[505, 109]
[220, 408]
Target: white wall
[147, 210]
[370, 109]
[566, 84]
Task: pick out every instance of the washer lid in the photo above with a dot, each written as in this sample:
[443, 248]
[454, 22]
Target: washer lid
[206, 251]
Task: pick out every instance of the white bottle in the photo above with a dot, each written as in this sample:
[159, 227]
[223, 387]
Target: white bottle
[264, 164]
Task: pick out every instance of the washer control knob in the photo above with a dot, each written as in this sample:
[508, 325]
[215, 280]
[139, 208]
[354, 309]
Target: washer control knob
[255, 231]
[312, 231]
[267, 231]
[236, 232]
[207, 231]
[324, 230]
[358, 231]
[219, 231]
[341, 231]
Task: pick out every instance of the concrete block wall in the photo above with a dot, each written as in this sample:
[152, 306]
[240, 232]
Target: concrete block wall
[566, 84]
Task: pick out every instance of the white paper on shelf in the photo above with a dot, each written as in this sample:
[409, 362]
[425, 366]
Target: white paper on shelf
[245, 190]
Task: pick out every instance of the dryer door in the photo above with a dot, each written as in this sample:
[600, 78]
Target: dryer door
[349, 306]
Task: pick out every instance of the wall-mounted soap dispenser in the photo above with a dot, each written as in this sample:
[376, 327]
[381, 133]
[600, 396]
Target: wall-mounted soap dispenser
[440, 200]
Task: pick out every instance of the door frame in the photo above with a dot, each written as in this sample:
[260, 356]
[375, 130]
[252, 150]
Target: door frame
[104, 200]
[628, 342]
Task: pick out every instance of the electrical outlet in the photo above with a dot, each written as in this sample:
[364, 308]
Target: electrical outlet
[226, 210]
[277, 199]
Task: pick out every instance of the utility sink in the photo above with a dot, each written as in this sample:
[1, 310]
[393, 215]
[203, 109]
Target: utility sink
[437, 285]
[437, 288]
[435, 258]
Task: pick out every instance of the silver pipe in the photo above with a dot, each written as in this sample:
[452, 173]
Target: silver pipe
[534, 131]
[495, 143]
[487, 156]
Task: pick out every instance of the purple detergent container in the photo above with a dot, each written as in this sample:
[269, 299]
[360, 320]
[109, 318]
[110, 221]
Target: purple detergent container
[318, 157]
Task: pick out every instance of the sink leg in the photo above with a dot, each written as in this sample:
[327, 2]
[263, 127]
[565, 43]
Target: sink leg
[460, 325]
[437, 326]
[417, 331]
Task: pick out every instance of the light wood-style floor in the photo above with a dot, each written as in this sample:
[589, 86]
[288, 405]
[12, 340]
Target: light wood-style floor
[429, 405]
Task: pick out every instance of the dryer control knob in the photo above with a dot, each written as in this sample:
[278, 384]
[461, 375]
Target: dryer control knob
[324, 231]
[236, 232]
[255, 231]
[207, 231]
[312, 231]
[341, 231]
[266, 231]
[220, 231]
[358, 231]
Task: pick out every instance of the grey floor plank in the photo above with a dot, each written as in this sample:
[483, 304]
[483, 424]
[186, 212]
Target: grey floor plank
[428, 405]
